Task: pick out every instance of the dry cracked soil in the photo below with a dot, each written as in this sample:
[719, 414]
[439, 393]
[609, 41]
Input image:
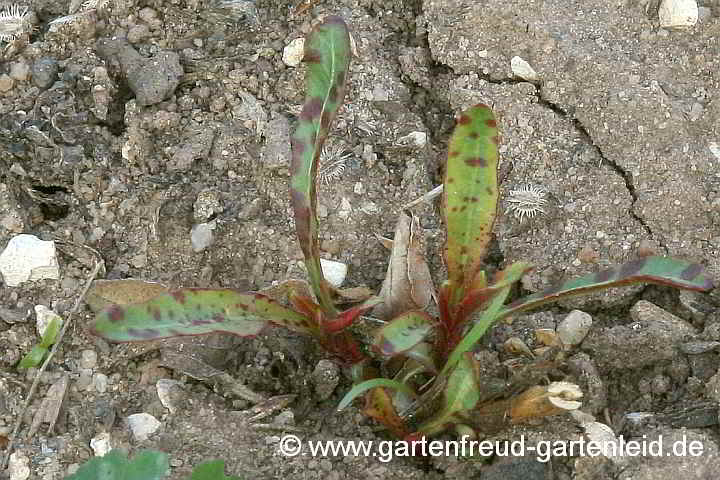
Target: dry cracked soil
[154, 135]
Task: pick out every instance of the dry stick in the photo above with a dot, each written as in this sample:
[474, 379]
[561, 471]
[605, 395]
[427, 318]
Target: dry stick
[36, 381]
[427, 197]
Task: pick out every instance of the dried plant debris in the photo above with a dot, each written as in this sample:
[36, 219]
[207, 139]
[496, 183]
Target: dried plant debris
[333, 161]
[50, 407]
[526, 201]
[14, 21]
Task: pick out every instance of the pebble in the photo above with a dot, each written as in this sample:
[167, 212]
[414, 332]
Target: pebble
[334, 272]
[6, 83]
[206, 205]
[293, 53]
[18, 466]
[522, 69]
[142, 425]
[43, 317]
[44, 72]
[26, 258]
[276, 153]
[201, 235]
[84, 380]
[325, 378]
[678, 14]
[170, 392]
[88, 359]
[100, 382]
[19, 71]
[100, 444]
[574, 328]
[603, 435]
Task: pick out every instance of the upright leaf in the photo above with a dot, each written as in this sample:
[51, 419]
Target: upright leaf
[195, 311]
[658, 270]
[327, 55]
[470, 195]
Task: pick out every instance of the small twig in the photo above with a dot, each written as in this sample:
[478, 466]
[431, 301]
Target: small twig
[36, 381]
[426, 198]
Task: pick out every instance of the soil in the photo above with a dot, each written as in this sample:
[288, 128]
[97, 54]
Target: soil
[129, 126]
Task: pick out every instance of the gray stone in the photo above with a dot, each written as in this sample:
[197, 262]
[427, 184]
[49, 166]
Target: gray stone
[44, 72]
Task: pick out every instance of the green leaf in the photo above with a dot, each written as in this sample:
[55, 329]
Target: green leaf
[470, 195]
[510, 275]
[50, 333]
[195, 311]
[461, 394]
[146, 465]
[211, 470]
[403, 333]
[363, 387]
[327, 55]
[34, 357]
[658, 270]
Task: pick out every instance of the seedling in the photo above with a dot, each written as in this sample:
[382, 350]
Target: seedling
[35, 356]
[438, 385]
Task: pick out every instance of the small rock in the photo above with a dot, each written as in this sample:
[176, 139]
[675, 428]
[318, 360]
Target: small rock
[334, 272]
[44, 72]
[101, 444]
[678, 14]
[276, 153]
[206, 205]
[714, 148]
[325, 378]
[18, 466]
[293, 53]
[142, 425]
[27, 258]
[286, 417]
[43, 317]
[703, 365]
[19, 71]
[100, 382]
[6, 83]
[84, 379]
[652, 338]
[88, 359]
[170, 393]
[603, 435]
[698, 347]
[522, 69]
[414, 139]
[574, 328]
[201, 235]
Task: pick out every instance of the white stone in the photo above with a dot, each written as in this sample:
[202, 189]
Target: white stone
[602, 435]
[521, 68]
[678, 14]
[164, 388]
[574, 328]
[43, 317]
[715, 149]
[334, 272]
[293, 53]
[142, 425]
[101, 444]
[201, 236]
[18, 466]
[26, 259]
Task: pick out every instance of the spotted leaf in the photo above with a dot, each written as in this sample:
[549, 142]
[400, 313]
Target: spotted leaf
[470, 195]
[403, 333]
[195, 311]
[658, 270]
[327, 55]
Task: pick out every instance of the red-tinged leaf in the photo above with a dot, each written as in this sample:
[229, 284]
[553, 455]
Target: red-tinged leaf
[347, 317]
[657, 270]
[327, 55]
[491, 314]
[403, 333]
[470, 195]
[195, 311]
[379, 405]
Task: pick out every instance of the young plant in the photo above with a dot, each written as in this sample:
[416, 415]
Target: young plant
[440, 383]
[197, 311]
[36, 356]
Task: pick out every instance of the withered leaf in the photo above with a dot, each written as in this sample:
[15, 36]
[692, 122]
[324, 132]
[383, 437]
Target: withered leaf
[50, 407]
[407, 284]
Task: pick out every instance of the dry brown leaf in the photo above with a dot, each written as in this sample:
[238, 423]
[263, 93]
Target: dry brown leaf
[50, 407]
[408, 284]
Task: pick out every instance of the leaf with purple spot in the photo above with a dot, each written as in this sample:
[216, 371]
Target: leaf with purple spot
[658, 270]
[327, 55]
[470, 196]
[403, 333]
[195, 311]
